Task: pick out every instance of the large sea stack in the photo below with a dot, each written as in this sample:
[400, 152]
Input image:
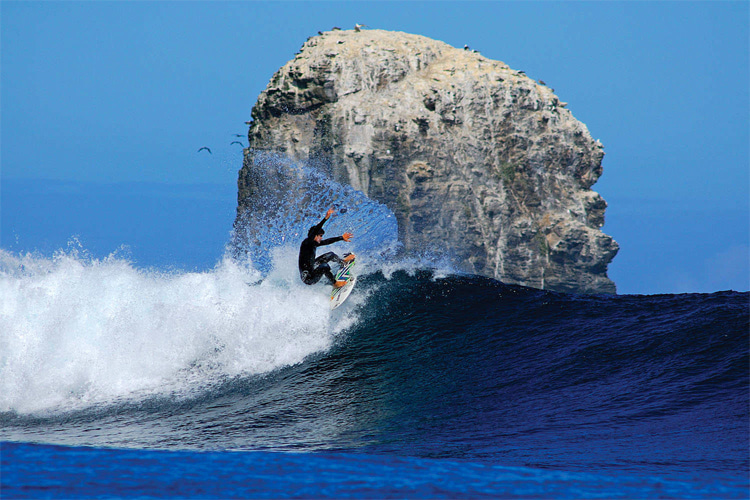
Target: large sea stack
[474, 158]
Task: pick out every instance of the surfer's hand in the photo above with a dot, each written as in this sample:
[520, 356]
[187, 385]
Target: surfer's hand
[329, 213]
[347, 236]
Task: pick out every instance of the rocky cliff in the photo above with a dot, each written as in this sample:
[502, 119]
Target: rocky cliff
[472, 156]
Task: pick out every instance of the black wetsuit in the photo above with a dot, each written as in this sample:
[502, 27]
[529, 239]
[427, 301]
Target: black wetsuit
[310, 268]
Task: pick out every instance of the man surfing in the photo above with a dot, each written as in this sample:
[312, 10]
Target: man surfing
[311, 269]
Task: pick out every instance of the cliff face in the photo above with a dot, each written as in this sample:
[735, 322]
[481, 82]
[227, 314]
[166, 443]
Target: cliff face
[472, 157]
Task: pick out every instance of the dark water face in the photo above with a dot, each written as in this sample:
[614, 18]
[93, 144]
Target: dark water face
[469, 369]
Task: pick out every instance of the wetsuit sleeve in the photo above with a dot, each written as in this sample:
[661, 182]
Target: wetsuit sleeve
[320, 225]
[331, 240]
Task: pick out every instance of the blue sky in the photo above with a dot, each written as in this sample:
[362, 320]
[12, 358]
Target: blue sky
[105, 104]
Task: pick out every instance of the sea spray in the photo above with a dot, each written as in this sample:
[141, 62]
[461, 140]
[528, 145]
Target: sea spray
[76, 332]
[288, 198]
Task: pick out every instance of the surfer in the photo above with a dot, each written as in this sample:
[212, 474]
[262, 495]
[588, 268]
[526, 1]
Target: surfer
[311, 269]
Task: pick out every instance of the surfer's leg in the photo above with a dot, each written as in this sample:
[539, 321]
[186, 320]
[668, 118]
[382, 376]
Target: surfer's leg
[330, 277]
[322, 263]
[324, 270]
[310, 278]
[319, 272]
[328, 257]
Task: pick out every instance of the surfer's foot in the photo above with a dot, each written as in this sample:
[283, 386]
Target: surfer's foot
[339, 284]
[348, 258]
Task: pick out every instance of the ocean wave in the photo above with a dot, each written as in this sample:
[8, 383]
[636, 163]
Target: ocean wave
[77, 331]
[459, 367]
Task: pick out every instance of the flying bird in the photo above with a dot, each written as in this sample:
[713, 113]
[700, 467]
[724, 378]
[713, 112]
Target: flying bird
[238, 135]
[357, 27]
[204, 147]
[237, 142]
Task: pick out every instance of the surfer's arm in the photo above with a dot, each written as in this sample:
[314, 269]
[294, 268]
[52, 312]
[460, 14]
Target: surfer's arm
[325, 218]
[344, 237]
[331, 240]
[319, 225]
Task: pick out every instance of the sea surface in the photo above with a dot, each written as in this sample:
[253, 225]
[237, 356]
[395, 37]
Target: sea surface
[237, 381]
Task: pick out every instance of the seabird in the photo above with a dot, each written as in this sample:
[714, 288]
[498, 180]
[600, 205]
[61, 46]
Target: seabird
[335, 28]
[237, 142]
[320, 32]
[466, 47]
[358, 26]
[204, 147]
[542, 82]
[238, 135]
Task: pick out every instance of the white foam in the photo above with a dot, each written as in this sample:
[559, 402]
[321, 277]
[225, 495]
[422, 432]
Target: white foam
[76, 331]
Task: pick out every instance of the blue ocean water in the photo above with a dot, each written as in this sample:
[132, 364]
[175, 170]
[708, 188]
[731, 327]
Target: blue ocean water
[237, 381]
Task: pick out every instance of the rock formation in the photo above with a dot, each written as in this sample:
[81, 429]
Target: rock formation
[473, 157]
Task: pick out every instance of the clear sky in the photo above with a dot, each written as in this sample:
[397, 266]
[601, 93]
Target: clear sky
[124, 94]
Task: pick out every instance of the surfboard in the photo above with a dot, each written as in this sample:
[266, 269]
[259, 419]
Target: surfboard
[339, 295]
